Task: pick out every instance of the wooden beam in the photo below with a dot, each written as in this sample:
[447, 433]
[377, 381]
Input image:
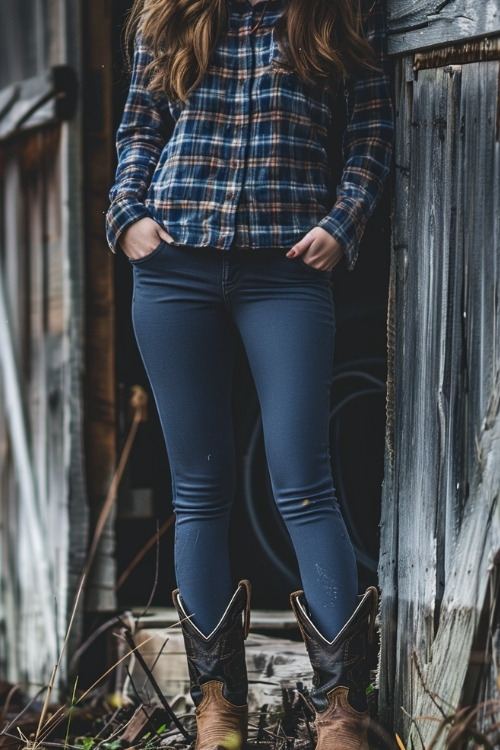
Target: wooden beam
[101, 450]
[458, 54]
[41, 100]
[420, 24]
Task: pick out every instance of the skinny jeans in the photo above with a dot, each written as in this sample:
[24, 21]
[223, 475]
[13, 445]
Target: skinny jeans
[188, 306]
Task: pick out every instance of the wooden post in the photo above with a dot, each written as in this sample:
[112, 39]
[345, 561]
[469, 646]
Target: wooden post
[101, 451]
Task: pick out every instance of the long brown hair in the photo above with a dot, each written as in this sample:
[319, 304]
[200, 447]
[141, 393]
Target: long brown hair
[319, 39]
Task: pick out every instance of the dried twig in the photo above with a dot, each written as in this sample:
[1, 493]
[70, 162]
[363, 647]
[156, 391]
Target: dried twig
[155, 686]
[138, 402]
[433, 696]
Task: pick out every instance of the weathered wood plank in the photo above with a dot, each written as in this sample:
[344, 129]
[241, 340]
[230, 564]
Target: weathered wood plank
[440, 523]
[75, 285]
[272, 663]
[43, 503]
[421, 24]
[478, 50]
[468, 577]
[388, 560]
[33, 615]
[158, 618]
[405, 14]
[416, 532]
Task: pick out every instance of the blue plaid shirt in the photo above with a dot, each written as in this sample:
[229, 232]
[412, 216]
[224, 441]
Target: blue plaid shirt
[245, 161]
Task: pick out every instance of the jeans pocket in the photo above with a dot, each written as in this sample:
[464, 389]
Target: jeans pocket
[146, 258]
[317, 271]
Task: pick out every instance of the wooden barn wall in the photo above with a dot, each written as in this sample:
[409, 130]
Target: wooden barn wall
[440, 528]
[43, 513]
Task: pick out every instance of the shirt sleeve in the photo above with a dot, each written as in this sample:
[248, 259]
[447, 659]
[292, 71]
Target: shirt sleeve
[367, 142]
[140, 140]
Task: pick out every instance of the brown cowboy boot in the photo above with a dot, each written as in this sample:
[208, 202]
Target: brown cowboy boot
[218, 675]
[341, 674]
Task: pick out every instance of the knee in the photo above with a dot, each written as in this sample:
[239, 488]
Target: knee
[204, 496]
[300, 509]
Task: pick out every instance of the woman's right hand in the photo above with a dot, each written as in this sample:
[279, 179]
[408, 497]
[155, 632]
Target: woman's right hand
[142, 237]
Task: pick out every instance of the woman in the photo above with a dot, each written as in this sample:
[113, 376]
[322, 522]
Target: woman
[225, 204]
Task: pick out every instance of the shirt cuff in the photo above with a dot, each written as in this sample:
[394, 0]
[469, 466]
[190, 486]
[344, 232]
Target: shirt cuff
[121, 213]
[346, 222]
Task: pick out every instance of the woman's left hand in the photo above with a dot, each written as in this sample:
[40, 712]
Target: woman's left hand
[318, 249]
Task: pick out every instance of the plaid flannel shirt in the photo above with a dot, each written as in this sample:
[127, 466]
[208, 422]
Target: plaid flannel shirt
[245, 161]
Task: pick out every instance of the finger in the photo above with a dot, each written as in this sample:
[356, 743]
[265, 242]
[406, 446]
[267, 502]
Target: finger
[300, 247]
[164, 235]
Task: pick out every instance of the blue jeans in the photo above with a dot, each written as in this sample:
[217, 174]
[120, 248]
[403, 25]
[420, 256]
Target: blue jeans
[188, 305]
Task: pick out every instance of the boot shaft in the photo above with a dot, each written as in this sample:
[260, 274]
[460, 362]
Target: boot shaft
[343, 662]
[219, 656]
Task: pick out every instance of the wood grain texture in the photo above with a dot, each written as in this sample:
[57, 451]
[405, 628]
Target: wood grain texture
[43, 504]
[419, 24]
[272, 663]
[440, 525]
[37, 445]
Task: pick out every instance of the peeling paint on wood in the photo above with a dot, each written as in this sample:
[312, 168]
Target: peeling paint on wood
[459, 54]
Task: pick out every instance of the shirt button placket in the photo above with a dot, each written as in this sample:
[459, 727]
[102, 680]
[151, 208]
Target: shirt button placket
[241, 116]
[252, 60]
